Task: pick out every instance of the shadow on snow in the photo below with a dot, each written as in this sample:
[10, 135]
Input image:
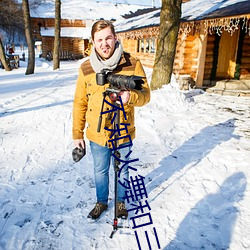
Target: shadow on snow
[22, 110]
[209, 225]
[190, 153]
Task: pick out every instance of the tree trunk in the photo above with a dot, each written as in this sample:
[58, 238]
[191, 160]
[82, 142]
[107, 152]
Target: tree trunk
[56, 59]
[3, 57]
[28, 33]
[168, 34]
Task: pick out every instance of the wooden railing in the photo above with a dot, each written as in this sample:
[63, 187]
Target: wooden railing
[63, 55]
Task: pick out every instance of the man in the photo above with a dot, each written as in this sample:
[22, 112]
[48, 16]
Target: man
[107, 54]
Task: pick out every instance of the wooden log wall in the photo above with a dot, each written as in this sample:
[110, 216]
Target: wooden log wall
[79, 46]
[131, 46]
[186, 55]
[146, 59]
[50, 22]
[66, 44]
[178, 61]
[47, 45]
[185, 59]
[73, 45]
[190, 56]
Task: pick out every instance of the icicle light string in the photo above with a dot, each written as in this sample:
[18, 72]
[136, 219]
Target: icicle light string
[246, 25]
[216, 25]
[206, 26]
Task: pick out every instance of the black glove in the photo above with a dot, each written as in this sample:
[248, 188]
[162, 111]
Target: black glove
[78, 153]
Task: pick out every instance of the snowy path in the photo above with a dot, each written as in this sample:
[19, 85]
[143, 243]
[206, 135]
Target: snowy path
[193, 151]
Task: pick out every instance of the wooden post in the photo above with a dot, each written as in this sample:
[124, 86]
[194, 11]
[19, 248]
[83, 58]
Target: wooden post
[201, 60]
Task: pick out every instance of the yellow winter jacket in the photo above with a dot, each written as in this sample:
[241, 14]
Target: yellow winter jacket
[88, 101]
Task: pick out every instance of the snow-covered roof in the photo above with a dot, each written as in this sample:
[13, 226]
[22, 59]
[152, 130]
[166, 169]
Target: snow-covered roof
[145, 20]
[85, 10]
[79, 32]
[191, 11]
[205, 9]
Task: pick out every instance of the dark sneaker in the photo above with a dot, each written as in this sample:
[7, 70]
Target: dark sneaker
[97, 210]
[121, 210]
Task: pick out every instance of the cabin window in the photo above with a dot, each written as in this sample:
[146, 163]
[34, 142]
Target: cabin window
[146, 45]
[152, 45]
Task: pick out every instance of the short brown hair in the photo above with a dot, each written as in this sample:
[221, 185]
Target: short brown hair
[101, 24]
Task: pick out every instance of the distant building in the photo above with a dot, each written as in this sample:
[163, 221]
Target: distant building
[75, 36]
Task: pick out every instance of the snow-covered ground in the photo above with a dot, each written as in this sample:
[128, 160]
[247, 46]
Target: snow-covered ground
[193, 151]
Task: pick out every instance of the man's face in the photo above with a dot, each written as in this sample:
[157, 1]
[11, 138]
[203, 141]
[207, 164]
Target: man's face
[104, 42]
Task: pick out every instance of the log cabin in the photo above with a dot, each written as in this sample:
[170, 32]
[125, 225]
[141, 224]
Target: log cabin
[213, 41]
[74, 37]
[77, 19]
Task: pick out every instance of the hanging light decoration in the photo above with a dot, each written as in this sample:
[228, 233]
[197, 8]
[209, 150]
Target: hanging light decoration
[218, 25]
[140, 33]
[246, 25]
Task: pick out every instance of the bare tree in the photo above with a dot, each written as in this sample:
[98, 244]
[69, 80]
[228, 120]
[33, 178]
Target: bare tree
[56, 59]
[3, 57]
[168, 34]
[28, 33]
[11, 16]
[36, 3]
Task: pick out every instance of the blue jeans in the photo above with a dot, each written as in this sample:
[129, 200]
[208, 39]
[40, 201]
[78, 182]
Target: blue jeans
[102, 160]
